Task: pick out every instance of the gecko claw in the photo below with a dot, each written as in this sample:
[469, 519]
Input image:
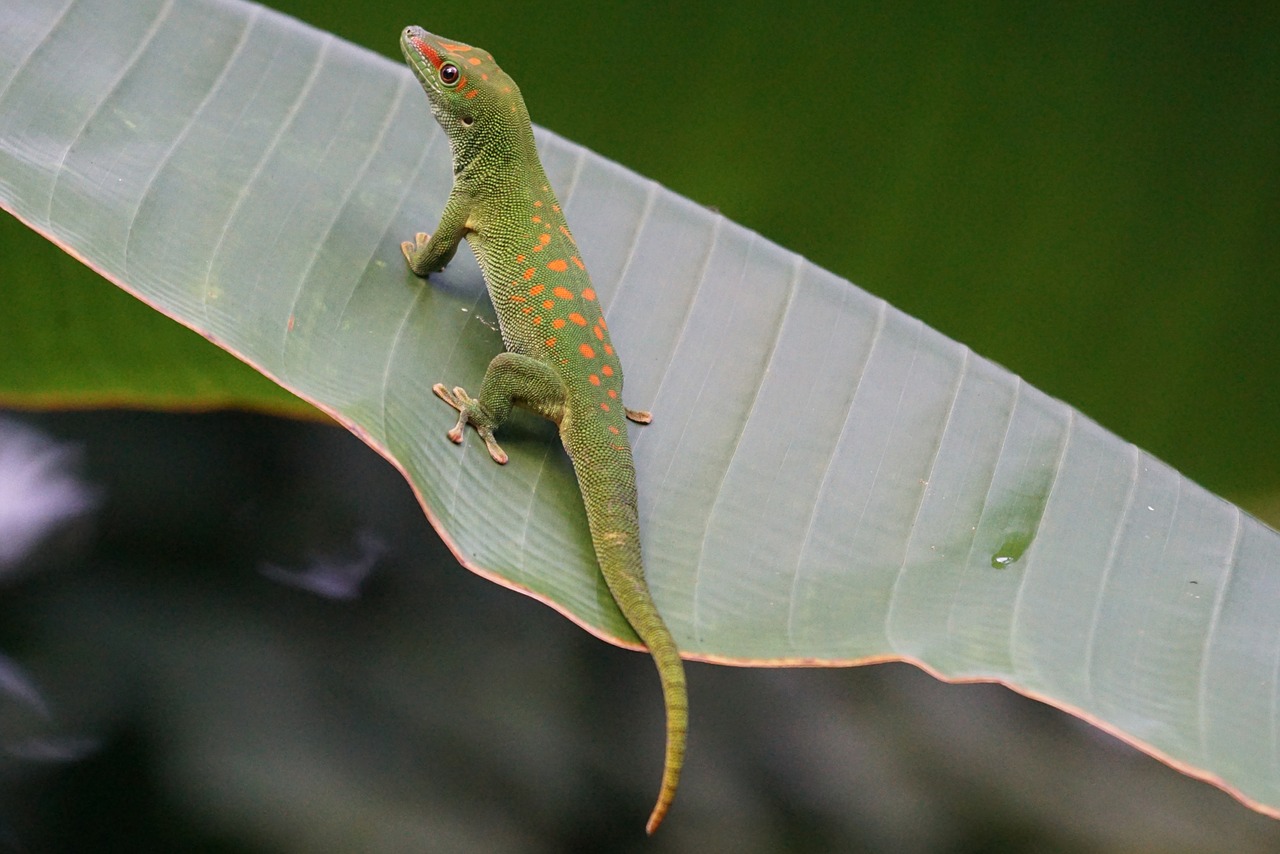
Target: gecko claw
[640, 416]
[445, 395]
[499, 456]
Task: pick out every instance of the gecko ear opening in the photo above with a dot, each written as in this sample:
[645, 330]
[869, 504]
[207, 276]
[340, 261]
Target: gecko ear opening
[467, 121]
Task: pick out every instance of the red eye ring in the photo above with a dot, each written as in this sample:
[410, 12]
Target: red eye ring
[449, 74]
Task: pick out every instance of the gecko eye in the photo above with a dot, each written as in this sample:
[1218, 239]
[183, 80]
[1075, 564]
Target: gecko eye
[449, 74]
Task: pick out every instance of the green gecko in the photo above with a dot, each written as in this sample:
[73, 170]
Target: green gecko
[559, 362]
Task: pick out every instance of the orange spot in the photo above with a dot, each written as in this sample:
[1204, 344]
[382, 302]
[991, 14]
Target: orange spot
[613, 430]
[548, 303]
[587, 293]
[565, 232]
[605, 407]
[556, 208]
[544, 239]
[599, 333]
[551, 342]
[528, 310]
[536, 219]
[537, 204]
[577, 318]
[563, 293]
[585, 350]
[607, 370]
[462, 84]
[475, 60]
[537, 289]
[455, 48]
[427, 51]
[595, 380]
[603, 325]
[558, 323]
[613, 394]
[291, 323]
[558, 265]
[519, 259]
[516, 298]
[528, 274]
[581, 266]
[471, 94]
[608, 349]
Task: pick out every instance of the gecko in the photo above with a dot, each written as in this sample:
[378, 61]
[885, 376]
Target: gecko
[559, 361]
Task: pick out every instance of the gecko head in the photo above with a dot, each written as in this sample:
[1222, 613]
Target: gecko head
[471, 97]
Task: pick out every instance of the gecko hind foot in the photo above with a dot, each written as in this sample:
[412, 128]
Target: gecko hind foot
[466, 404]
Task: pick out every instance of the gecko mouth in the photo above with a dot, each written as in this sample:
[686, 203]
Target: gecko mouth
[412, 46]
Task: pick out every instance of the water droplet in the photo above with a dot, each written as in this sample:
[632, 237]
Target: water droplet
[1011, 550]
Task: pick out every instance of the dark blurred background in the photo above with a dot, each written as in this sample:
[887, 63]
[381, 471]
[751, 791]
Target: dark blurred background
[235, 633]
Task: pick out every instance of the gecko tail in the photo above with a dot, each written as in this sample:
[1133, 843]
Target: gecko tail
[675, 698]
[608, 492]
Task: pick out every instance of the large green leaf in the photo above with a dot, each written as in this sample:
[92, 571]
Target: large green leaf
[827, 480]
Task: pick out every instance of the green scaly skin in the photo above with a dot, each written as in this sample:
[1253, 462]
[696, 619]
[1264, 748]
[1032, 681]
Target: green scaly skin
[559, 361]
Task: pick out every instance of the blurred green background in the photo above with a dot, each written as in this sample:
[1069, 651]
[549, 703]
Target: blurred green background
[1089, 195]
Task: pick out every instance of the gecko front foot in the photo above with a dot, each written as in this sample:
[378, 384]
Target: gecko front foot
[409, 247]
[422, 260]
[467, 406]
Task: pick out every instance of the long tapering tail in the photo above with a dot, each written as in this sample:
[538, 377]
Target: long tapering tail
[633, 598]
[610, 498]
[675, 697]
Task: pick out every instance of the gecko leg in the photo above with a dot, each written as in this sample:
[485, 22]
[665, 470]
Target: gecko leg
[511, 380]
[430, 253]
